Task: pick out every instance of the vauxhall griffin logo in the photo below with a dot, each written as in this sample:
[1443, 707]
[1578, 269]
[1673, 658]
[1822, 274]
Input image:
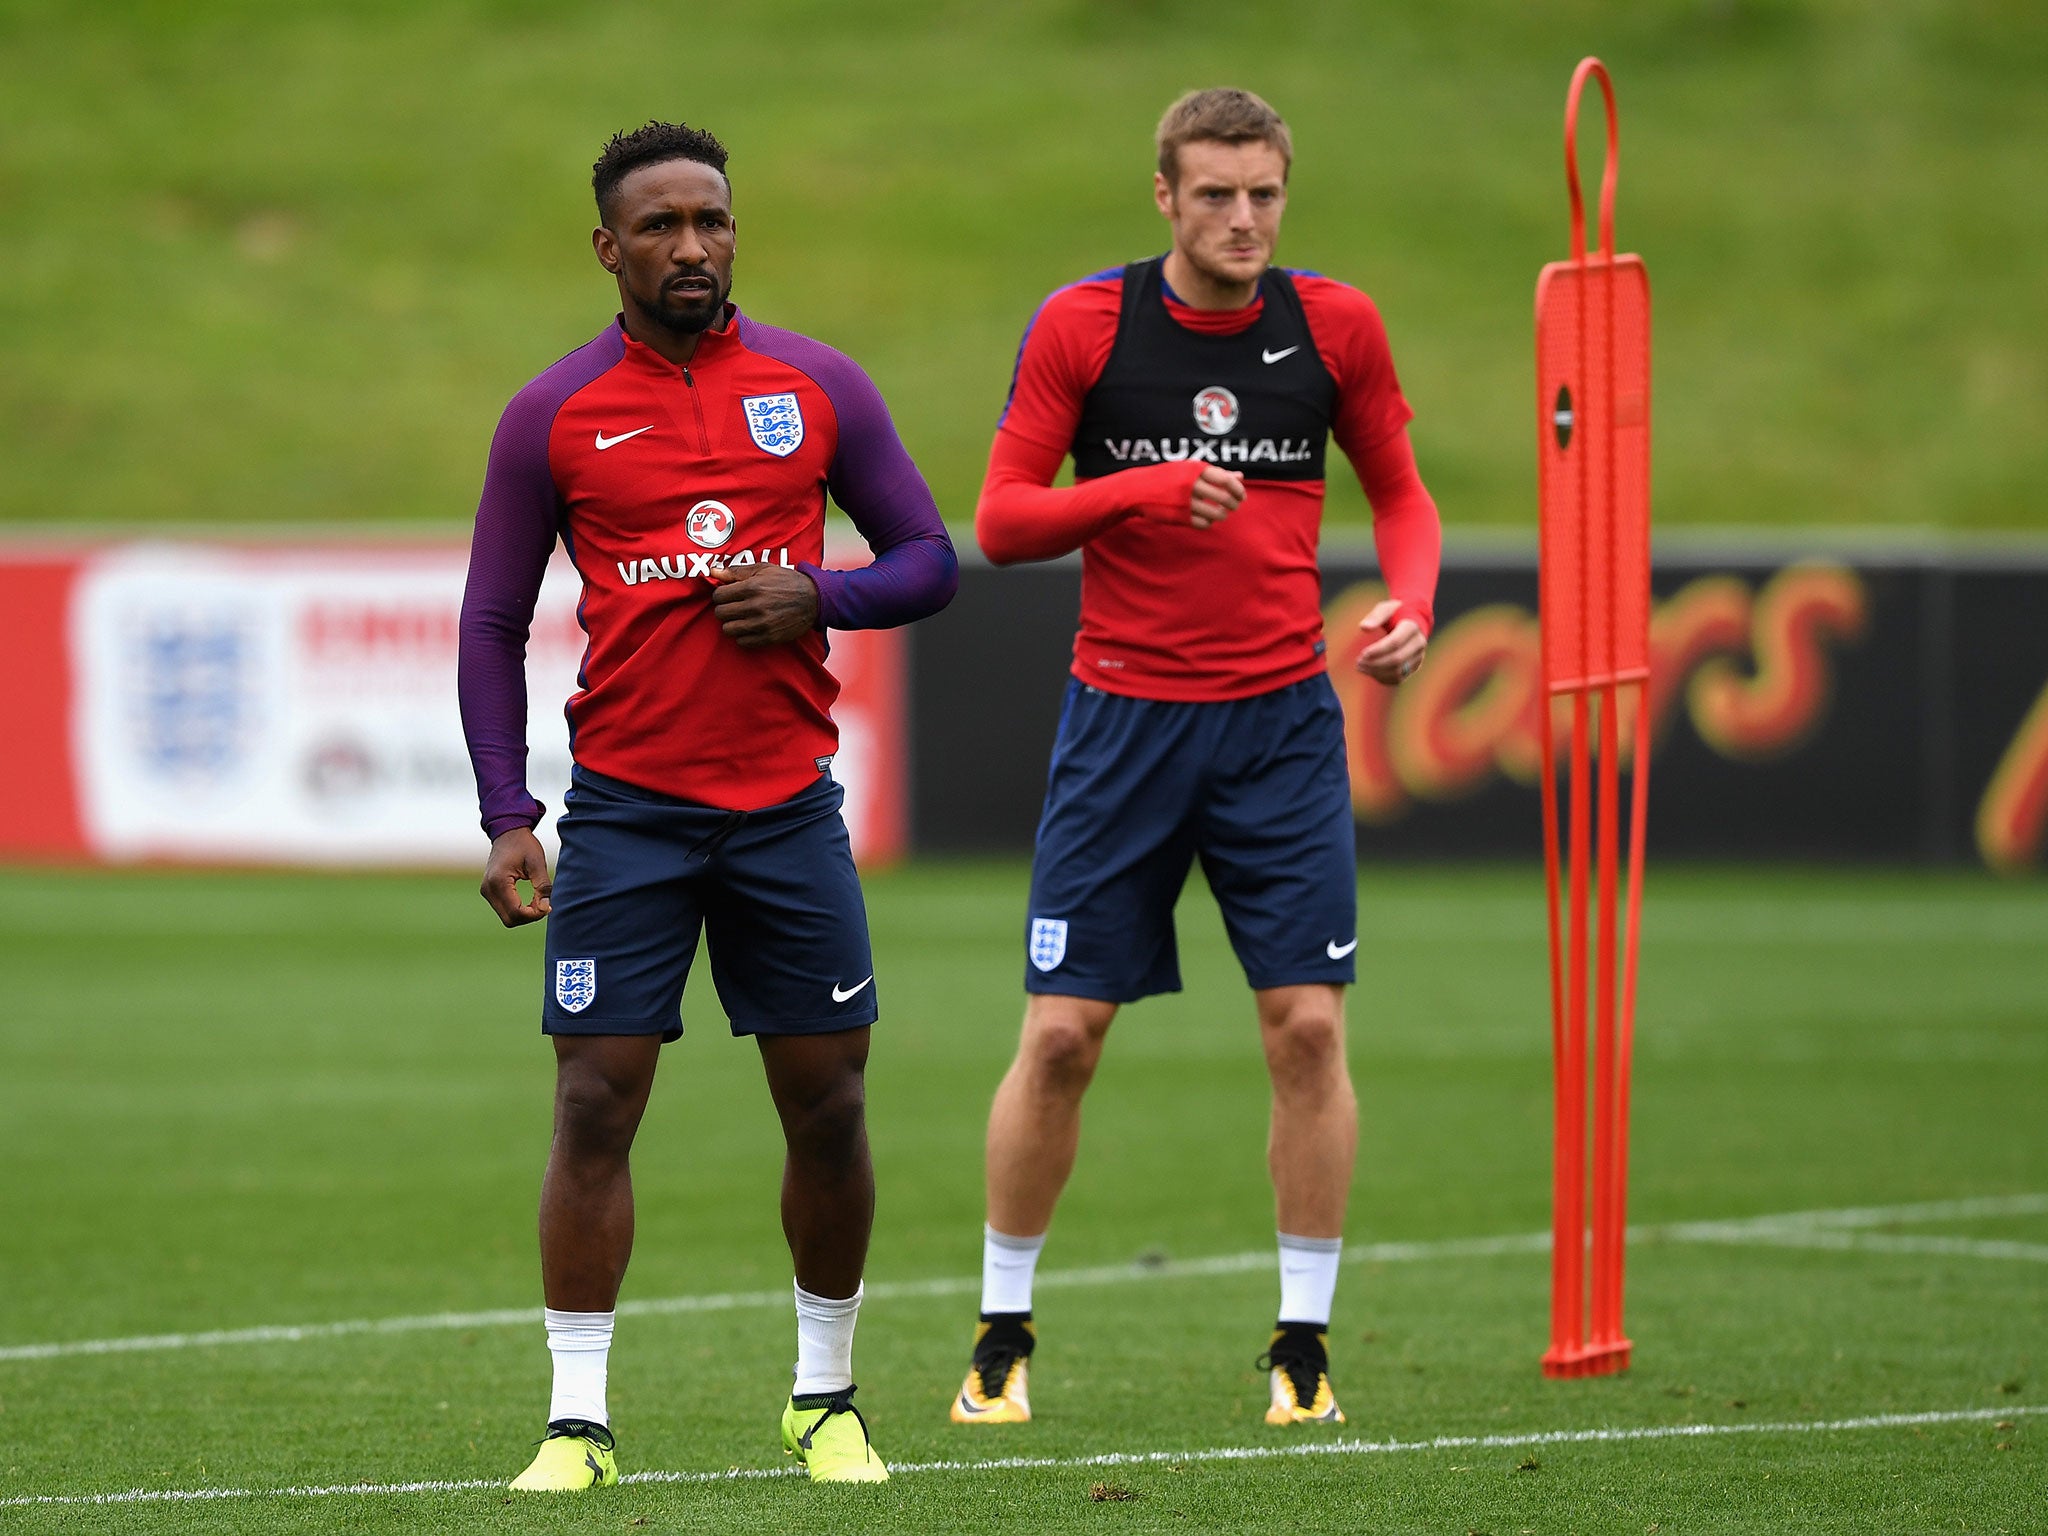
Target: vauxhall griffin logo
[709, 524]
[1215, 410]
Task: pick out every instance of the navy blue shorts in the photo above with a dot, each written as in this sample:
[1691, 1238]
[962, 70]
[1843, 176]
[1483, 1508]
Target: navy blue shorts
[1256, 788]
[641, 874]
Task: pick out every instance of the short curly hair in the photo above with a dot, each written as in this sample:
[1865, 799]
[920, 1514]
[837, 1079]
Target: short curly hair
[651, 144]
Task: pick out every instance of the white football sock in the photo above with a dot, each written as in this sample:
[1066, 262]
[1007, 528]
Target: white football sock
[824, 1342]
[581, 1343]
[1007, 1265]
[1308, 1277]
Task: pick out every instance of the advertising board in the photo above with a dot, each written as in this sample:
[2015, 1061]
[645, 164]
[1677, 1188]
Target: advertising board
[267, 703]
[1807, 702]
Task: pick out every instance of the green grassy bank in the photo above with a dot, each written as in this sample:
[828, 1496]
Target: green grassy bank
[267, 263]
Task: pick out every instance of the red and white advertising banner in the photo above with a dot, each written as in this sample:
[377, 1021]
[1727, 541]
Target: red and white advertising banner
[279, 703]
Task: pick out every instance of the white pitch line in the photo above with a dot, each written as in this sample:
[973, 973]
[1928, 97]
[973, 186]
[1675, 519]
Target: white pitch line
[1890, 1215]
[1831, 1229]
[1865, 1242]
[1847, 1230]
[727, 1301]
[1605, 1436]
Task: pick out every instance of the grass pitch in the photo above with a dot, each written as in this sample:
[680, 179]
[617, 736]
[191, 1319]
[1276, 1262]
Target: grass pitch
[237, 1101]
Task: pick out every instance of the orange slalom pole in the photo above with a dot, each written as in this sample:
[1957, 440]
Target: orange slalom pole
[1606, 1319]
[1639, 817]
[1592, 354]
[1572, 1108]
[1566, 1172]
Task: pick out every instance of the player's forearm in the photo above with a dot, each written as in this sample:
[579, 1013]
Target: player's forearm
[911, 581]
[1015, 520]
[1406, 532]
[914, 572]
[491, 688]
[913, 575]
[1022, 516]
[508, 557]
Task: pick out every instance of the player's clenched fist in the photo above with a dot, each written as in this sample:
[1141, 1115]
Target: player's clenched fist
[1216, 493]
[761, 605]
[1394, 650]
[515, 856]
[1184, 494]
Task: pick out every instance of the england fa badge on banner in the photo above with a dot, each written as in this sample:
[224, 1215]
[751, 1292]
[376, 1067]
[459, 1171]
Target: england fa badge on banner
[575, 984]
[776, 423]
[1048, 941]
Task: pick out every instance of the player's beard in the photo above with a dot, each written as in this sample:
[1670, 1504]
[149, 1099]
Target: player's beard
[689, 317]
[1212, 267]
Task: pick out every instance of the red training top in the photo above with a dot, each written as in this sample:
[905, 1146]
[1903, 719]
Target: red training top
[1169, 611]
[651, 473]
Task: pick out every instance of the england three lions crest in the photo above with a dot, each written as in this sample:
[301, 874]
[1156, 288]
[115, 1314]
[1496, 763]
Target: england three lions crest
[776, 423]
[1048, 942]
[575, 984]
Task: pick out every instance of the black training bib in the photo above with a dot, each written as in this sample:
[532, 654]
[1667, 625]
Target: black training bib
[1258, 402]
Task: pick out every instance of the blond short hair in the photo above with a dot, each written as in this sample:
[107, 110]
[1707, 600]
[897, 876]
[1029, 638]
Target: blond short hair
[1224, 116]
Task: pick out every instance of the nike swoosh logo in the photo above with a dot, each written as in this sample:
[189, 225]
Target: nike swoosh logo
[1338, 953]
[1274, 357]
[840, 997]
[604, 442]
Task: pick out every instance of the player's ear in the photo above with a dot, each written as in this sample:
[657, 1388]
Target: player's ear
[1162, 194]
[606, 244]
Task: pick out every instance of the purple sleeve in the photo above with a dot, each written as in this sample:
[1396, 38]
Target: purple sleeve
[517, 519]
[915, 572]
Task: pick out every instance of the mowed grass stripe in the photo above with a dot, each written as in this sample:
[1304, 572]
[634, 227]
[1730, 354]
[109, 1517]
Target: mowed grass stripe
[1692, 921]
[1789, 1229]
[1532, 1438]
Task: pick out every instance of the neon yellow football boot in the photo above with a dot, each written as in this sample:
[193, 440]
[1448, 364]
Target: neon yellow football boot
[575, 1455]
[998, 1385]
[1299, 1362]
[828, 1435]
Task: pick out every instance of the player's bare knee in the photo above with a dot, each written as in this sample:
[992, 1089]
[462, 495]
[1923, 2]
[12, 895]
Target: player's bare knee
[1303, 1041]
[596, 1112]
[1065, 1054]
[830, 1122]
[594, 1128]
[1062, 1044]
